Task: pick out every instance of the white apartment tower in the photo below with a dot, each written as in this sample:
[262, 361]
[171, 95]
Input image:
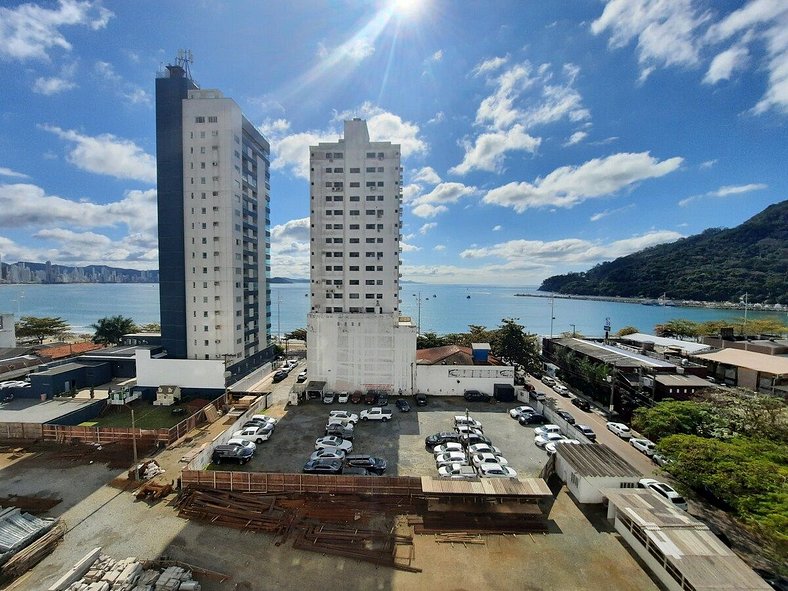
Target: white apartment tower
[356, 338]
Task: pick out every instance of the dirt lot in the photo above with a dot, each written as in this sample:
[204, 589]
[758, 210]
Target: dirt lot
[400, 441]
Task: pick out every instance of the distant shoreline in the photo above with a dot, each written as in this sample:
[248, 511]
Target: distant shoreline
[655, 302]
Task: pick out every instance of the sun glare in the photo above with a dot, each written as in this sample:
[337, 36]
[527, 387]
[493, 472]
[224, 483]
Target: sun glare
[408, 8]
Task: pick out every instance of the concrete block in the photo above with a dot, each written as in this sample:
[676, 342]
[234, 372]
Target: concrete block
[76, 571]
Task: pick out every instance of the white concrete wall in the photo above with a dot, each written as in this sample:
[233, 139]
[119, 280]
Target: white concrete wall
[361, 351]
[7, 331]
[453, 380]
[588, 490]
[186, 373]
[654, 566]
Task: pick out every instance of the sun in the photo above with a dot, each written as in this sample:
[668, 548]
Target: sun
[408, 8]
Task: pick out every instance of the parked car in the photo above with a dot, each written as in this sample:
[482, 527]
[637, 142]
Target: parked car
[371, 463]
[323, 466]
[474, 439]
[376, 414]
[291, 363]
[476, 396]
[333, 441]
[481, 448]
[328, 453]
[268, 419]
[257, 434]
[343, 397]
[301, 377]
[532, 419]
[587, 431]
[340, 430]
[582, 404]
[243, 443]
[356, 397]
[451, 457]
[457, 472]
[495, 471]
[619, 429]
[643, 445]
[548, 381]
[344, 415]
[539, 396]
[467, 430]
[403, 405]
[562, 390]
[383, 399]
[441, 438]
[487, 458]
[542, 440]
[421, 399]
[466, 420]
[231, 453]
[279, 376]
[665, 490]
[566, 416]
[548, 428]
[518, 411]
[447, 447]
[550, 447]
[328, 397]
[356, 471]
[660, 460]
[371, 397]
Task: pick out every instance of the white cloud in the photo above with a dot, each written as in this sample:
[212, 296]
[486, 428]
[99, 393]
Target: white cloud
[569, 185]
[438, 118]
[434, 202]
[411, 192]
[725, 191]
[707, 164]
[409, 247]
[54, 85]
[497, 228]
[355, 49]
[726, 63]
[386, 126]
[576, 138]
[12, 173]
[603, 214]
[666, 31]
[29, 31]
[131, 93]
[489, 65]
[437, 56]
[427, 175]
[274, 127]
[427, 227]
[290, 248]
[108, 154]
[489, 150]
[569, 250]
[439, 247]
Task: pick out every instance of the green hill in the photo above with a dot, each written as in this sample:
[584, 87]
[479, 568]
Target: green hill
[717, 265]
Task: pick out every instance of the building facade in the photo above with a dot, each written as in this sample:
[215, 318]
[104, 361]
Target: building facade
[356, 338]
[213, 205]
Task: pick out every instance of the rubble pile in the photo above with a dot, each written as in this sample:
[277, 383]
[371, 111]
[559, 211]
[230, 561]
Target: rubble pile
[131, 574]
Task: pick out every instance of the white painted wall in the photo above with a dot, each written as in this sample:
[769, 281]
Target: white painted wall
[453, 380]
[186, 373]
[588, 490]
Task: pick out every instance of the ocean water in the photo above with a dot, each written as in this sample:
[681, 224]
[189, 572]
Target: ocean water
[443, 309]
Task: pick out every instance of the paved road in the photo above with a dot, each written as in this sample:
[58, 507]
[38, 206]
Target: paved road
[597, 421]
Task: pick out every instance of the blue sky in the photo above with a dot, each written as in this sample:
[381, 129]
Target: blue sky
[538, 137]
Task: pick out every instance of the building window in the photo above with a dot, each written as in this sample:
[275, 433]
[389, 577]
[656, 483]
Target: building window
[355, 198]
[199, 119]
[213, 119]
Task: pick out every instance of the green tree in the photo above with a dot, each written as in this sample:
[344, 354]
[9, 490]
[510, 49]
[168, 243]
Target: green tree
[149, 327]
[512, 344]
[627, 330]
[677, 327]
[299, 334]
[745, 412]
[671, 417]
[40, 327]
[110, 330]
[428, 340]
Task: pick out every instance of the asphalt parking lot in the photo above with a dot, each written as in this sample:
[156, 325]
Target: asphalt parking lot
[399, 441]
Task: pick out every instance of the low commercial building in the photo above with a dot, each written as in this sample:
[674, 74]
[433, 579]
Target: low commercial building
[450, 370]
[676, 386]
[588, 469]
[650, 342]
[678, 549]
[763, 373]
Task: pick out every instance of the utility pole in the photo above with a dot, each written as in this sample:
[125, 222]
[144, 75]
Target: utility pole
[552, 315]
[744, 330]
[418, 324]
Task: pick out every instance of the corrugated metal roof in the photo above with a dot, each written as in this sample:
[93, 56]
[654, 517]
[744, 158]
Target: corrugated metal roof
[612, 355]
[595, 460]
[773, 364]
[18, 529]
[688, 346]
[685, 380]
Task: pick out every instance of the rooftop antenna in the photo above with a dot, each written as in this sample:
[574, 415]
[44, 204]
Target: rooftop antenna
[184, 60]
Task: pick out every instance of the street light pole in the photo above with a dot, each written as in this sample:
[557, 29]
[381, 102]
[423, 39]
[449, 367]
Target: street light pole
[552, 315]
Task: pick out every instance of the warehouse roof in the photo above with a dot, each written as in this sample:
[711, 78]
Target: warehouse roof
[679, 380]
[590, 460]
[667, 343]
[749, 360]
[613, 355]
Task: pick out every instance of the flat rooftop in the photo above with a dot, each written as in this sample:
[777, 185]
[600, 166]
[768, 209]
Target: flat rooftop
[685, 346]
[596, 460]
[613, 355]
[762, 362]
[28, 410]
[534, 488]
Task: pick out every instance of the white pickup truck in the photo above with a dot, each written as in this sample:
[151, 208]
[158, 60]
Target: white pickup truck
[376, 414]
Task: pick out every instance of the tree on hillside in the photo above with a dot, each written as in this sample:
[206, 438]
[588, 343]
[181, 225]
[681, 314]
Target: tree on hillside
[110, 330]
[40, 327]
[671, 417]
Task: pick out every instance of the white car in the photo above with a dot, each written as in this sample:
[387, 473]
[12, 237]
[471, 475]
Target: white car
[518, 411]
[548, 381]
[643, 445]
[664, 490]
[483, 448]
[447, 447]
[545, 429]
[328, 453]
[255, 434]
[485, 458]
[268, 419]
[451, 457]
[496, 471]
[561, 389]
[619, 429]
[335, 442]
[345, 423]
[457, 472]
[242, 442]
[550, 447]
[343, 414]
[660, 460]
[343, 397]
[376, 414]
[466, 429]
[469, 421]
[542, 440]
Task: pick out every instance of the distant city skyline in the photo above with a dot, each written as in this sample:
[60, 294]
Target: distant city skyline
[537, 138]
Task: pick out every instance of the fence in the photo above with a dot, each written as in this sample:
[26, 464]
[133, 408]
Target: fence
[20, 431]
[274, 482]
[191, 422]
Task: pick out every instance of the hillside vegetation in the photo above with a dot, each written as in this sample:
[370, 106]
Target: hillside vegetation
[717, 265]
